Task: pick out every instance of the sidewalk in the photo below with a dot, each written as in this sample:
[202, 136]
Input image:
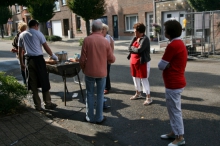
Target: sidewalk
[34, 128]
[119, 44]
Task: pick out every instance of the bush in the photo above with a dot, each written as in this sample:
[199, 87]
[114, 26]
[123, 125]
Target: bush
[11, 94]
[53, 38]
[81, 41]
[9, 38]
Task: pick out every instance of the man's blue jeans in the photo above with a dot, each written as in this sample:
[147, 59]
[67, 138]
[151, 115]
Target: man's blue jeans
[90, 87]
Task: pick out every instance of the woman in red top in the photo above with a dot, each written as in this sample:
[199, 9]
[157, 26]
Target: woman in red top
[140, 62]
[173, 64]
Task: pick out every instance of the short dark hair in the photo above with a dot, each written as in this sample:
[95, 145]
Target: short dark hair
[140, 27]
[173, 28]
[33, 23]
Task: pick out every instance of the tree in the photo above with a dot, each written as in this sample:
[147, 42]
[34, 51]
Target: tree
[205, 5]
[42, 12]
[22, 2]
[88, 9]
[5, 14]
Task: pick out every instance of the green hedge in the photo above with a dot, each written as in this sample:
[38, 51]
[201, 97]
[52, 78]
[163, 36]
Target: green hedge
[11, 94]
[8, 38]
[53, 38]
[81, 41]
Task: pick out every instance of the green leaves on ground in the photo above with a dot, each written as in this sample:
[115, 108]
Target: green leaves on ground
[11, 93]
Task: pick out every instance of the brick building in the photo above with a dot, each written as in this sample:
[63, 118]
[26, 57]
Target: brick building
[19, 14]
[120, 17]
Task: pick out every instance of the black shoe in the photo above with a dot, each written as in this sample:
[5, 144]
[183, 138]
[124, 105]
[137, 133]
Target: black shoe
[50, 106]
[106, 106]
[104, 119]
[41, 110]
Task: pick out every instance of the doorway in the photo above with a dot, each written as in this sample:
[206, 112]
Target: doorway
[115, 26]
[149, 22]
[65, 26]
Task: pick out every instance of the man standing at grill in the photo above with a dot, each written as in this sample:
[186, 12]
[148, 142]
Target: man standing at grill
[96, 50]
[32, 41]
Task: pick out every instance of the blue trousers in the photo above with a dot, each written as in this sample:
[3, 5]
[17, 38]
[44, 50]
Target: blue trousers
[90, 87]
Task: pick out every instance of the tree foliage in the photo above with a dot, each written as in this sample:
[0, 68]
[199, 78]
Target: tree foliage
[5, 14]
[88, 9]
[42, 11]
[22, 2]
[205, 5]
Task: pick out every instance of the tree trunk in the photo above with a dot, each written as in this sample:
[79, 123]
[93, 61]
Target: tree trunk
[87, 27]
[2, 31]
[43, 28]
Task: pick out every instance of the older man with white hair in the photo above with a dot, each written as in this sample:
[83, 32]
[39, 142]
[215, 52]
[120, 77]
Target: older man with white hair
[96, 50]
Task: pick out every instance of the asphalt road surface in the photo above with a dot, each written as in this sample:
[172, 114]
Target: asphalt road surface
[130, 123]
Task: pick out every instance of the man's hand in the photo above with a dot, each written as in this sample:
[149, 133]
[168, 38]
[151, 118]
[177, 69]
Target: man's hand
[54, 57]
[22, 67]
[13, 50]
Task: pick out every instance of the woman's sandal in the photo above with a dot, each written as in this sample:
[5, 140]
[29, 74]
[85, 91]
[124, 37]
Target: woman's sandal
[136, 96]
[148, 101]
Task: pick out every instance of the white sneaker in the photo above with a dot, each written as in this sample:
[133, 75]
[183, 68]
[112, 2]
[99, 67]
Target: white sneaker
[182, 142]
[165, 136]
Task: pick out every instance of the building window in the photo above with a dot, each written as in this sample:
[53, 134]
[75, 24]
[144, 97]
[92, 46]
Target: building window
[169, 15]
[63, 2]
[17, 8]
[78, 23]
[57, 6]
[130, 20]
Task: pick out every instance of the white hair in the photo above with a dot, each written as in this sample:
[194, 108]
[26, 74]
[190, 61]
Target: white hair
[105, 26]
[96, 25]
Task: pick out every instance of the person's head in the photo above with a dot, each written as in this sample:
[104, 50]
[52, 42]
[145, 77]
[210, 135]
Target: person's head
[22, 26]
[139, 29]
[33, 24]
[97, 25]
[104, 29]
[173, 29]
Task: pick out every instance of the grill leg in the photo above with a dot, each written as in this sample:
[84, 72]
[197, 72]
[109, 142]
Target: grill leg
[65, 88]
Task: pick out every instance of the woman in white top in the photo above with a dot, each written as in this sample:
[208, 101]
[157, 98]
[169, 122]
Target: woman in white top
[111, 41]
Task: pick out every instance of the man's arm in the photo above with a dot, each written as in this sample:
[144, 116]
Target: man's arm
[112, 43]
[48, 50]
[83, 56]
[20, 56]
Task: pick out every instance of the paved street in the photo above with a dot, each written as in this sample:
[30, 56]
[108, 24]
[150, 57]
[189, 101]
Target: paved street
[129, 123]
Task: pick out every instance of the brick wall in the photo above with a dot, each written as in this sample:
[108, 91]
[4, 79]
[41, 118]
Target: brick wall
[64, 13]
[127, 7]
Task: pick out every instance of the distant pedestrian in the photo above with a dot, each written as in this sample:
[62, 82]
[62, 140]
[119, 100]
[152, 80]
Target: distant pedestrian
[96, 50]
[111, 42]
[139, 56]
[21, 27]
[173, 64]
[32, 41]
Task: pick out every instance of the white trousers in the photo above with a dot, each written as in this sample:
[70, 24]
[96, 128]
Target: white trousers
[173, 102]
[143, 81]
